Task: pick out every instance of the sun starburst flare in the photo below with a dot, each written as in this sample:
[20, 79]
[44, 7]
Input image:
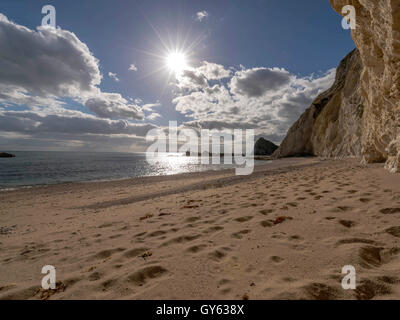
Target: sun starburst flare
[176, 62]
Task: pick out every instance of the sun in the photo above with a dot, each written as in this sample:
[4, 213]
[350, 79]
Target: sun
[176, 62]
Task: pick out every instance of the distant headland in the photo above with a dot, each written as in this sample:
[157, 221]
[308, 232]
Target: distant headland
[6, 155]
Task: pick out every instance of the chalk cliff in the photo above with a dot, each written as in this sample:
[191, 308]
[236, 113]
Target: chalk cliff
[331, 127]
[360, 114]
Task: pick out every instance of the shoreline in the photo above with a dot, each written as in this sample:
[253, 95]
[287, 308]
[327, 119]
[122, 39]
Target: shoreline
[173, 176]
[9, 188]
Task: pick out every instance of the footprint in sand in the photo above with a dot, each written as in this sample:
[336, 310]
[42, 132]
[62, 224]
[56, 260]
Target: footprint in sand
[244, 219]
[394, 231]
[141, 234]
[356, 240]
[95, 276]
[107, 225]
[388, 279]
[224, 283]
[180, 240]
[7, 287]
[136, 252]
[296, 238]
[265, 212]
[21, 294]
[108, 284]
[390, 210]
[156, 233]
[219, 254]
[192, 219]
[267, 223]
[321, 291]
[292, 204]
[330, 218]
[347, 223]
[213, 229]
[376, 256]
[239, 235]
[343, 209]
[144, 275]
[106, 254]
[277, 259]
[368, 289]
[124, 228]
[196, 248]
[163, 214]
[370, 256]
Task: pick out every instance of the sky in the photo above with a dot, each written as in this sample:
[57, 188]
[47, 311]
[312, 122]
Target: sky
[113, 70]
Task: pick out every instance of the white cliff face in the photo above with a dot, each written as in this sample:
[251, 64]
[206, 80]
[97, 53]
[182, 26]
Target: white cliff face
[362, 117]
[377, 37]
[338, 128]
[331, 127]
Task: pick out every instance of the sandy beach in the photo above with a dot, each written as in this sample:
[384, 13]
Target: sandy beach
[284, 232]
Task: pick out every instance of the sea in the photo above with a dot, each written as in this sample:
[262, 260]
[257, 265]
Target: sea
[33, 168]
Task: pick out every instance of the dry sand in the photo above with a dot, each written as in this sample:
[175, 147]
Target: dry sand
[284, 232]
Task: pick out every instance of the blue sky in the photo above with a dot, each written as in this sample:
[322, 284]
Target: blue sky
[260, 40]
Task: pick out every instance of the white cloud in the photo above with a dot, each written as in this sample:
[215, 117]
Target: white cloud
[72, 142]
[132, 67]
[195, 78]
[40, 68]
[67, 121]
[150, 106]
[64, 129]
[46, 62]
[201, 15]
[43, 67]
[267, 99]
[191, 79]
[113, 76]
[154, 116]
[213, 71]
[113, 105]
[219, 125]
[258, 81]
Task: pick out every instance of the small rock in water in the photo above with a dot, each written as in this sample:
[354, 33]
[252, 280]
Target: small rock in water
[6, 155]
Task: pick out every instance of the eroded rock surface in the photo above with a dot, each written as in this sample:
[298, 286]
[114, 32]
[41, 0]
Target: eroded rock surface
[360, 114]
[331, 127]
[377, 36]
